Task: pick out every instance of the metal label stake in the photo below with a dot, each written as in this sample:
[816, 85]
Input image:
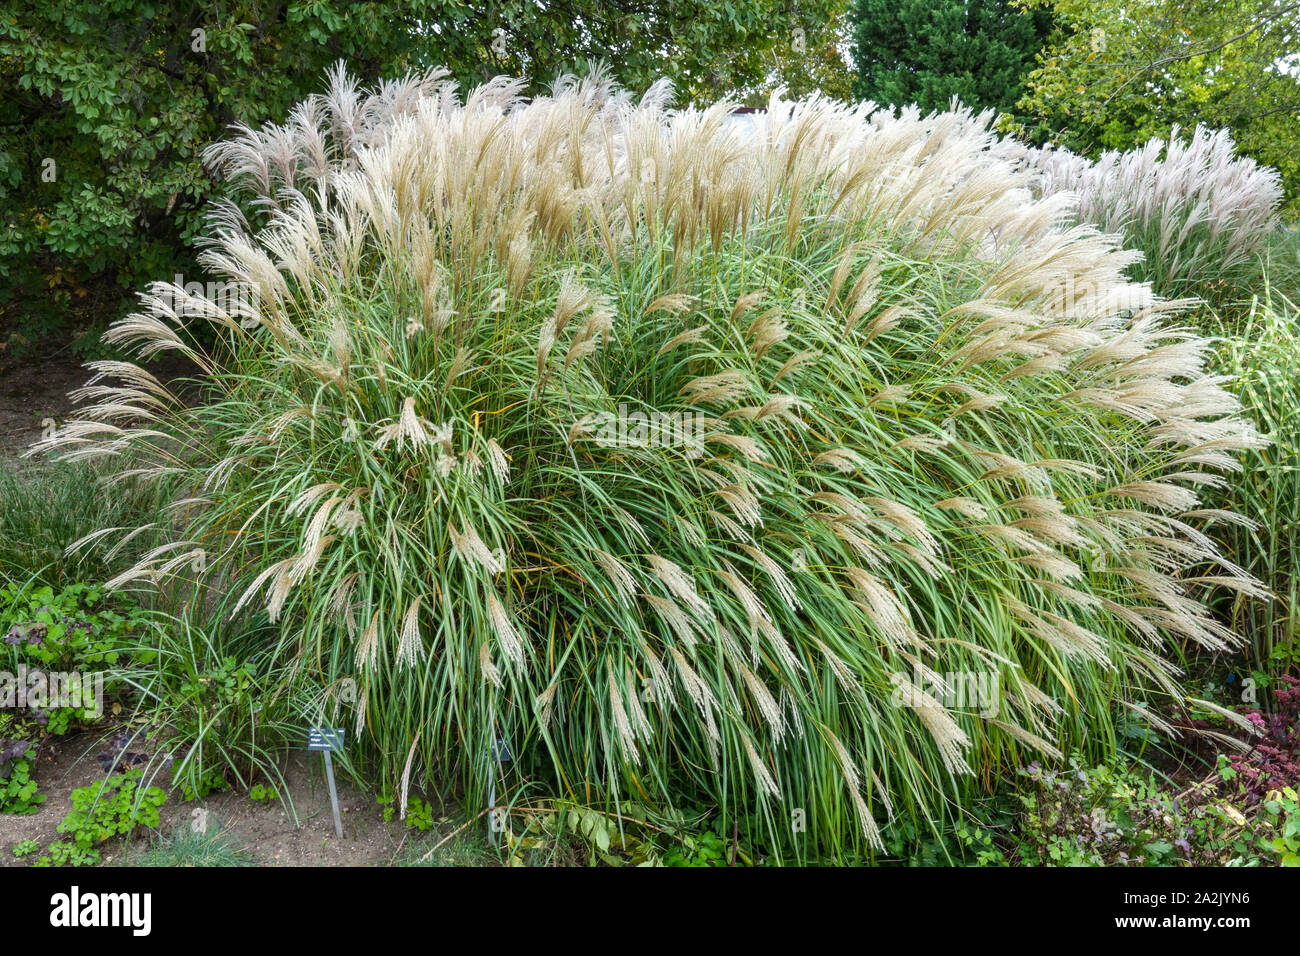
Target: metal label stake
[327, 740]
[499, 754]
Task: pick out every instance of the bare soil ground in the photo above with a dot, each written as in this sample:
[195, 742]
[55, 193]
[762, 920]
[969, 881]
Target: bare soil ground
[33, 392]
[267, 832]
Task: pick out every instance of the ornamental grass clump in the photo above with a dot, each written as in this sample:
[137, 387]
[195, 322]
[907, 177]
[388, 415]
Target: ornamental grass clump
[809, 477]
[1262, 361]
[1201, 215]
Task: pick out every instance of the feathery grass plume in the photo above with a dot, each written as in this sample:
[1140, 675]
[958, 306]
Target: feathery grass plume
[921, 452]
[1200, 214]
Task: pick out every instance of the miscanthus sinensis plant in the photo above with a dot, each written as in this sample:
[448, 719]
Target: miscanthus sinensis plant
[1201, 214]
[701, 469]
[1263, 360]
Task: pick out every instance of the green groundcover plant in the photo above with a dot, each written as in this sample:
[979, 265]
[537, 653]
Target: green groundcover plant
[117, 805]
[808, 474]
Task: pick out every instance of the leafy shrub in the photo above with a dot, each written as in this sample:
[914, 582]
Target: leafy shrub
[1200, 214]
[98, 170]
[906, 429]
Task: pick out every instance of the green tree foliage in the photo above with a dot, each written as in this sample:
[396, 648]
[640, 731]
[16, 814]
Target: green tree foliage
[1115, 75]
[928, 51]
[813, 60]
[106, 105]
